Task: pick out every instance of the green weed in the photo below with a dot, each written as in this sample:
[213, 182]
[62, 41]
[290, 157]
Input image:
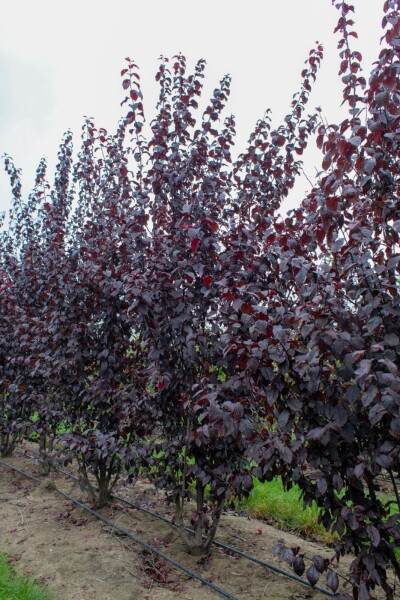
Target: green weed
[15, 587]
[284, 509]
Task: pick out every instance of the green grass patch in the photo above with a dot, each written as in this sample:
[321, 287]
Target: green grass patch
[284, 509]
[16, 587]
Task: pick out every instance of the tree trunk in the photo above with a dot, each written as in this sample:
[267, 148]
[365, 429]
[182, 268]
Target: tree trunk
[7, 445]
[197, 541]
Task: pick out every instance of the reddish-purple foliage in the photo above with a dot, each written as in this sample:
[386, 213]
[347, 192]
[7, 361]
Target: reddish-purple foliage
[156, 304]
[320, 333]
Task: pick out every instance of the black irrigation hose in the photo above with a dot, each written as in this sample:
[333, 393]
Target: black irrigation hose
[130, 535]
[216, 543]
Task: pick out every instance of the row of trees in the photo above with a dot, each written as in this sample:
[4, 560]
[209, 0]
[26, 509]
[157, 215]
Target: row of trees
[158, 314]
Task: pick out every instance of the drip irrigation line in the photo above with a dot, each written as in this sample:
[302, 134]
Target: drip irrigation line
[129, 535]
[215, 542]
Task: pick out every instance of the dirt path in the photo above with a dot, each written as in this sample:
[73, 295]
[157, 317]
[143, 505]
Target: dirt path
[80, 558]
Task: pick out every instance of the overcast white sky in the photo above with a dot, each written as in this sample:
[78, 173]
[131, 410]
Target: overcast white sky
[62, 60]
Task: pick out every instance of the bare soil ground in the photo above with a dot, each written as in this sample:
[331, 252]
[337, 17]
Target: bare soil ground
[79, 558]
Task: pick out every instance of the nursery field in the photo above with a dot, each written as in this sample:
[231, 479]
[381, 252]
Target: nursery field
[166, 332]
[78, 558]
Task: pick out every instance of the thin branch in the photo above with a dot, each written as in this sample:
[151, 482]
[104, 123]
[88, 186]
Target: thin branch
[18, 509]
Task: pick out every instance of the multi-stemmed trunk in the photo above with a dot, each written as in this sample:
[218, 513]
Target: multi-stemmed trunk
[199, 539]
